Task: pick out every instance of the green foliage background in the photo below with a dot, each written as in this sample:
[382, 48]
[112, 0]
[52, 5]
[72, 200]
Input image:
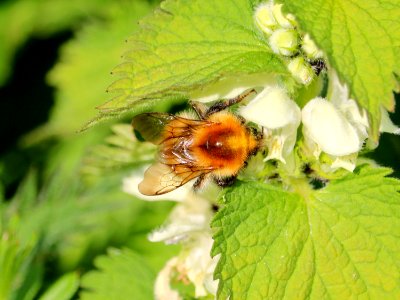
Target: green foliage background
[57, 219]
[64, 230]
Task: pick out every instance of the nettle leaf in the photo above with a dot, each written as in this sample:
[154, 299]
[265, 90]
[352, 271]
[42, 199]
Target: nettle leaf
[79, 78]
[120, 150]
[123, 275]
[185, 45]
[339, 242]
[361, 40]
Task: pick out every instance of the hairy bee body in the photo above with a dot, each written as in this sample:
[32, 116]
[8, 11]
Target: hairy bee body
[216, 146]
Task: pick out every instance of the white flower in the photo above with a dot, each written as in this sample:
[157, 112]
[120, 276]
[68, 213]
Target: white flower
[279, 115]
[199, 266]
[189, 225]
[162, 285]
[338, 127]
[329, 127]
[194, 264]
[190, 216]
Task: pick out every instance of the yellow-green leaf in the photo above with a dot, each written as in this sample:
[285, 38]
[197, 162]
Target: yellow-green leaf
[339, 242]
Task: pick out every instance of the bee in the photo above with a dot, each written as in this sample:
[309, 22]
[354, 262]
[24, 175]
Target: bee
[215, 145]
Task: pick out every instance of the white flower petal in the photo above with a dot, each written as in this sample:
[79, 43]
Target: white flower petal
[231, 87]
[187, 218]
[279, 115]
[356, 116]
[272, 108]
[280, 142]
[275, 147]
[338, 92]
[200, 266]
[313, 147]
[162, 285]
[346, 162]
[387, 124]
[330, 129]
[339, 96]
[210, 284]
[175, 232]
[130, 186]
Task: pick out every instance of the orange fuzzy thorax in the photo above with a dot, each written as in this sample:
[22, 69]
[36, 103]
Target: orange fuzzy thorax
[224, 145]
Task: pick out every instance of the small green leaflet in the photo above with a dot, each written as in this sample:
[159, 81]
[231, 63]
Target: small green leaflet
[63, 289]
[186, 45]
[361, 40]
[339, 242]
[124, 275]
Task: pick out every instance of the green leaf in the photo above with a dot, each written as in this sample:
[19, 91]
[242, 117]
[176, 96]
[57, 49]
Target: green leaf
[80, 80]
[63, 289]
[122, 275]
[339, 242]
[24, 18]
[186, 45]
[120, 150]
[15, 264]
[361, 40]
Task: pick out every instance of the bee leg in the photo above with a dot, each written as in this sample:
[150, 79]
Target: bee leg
[226, 181]
[199, 182]
[259, 134]
[199, 108]
[221, 105]
[318, 66]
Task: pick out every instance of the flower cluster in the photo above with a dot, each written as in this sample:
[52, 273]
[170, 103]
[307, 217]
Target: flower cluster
[188, 225]
[284, 39]
[329, 130]
[334, 125]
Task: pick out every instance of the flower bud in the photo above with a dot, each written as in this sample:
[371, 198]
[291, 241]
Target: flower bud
[301, 70]
[284, 41]
[287, 22]
[264, 18]
[310, 49]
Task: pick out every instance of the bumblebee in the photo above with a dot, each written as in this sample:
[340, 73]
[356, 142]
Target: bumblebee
[214, 145]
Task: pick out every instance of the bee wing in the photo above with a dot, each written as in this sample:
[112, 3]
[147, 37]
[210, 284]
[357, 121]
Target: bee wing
[160, 178]
[151, 125]
[157, 127]
[176, 165]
